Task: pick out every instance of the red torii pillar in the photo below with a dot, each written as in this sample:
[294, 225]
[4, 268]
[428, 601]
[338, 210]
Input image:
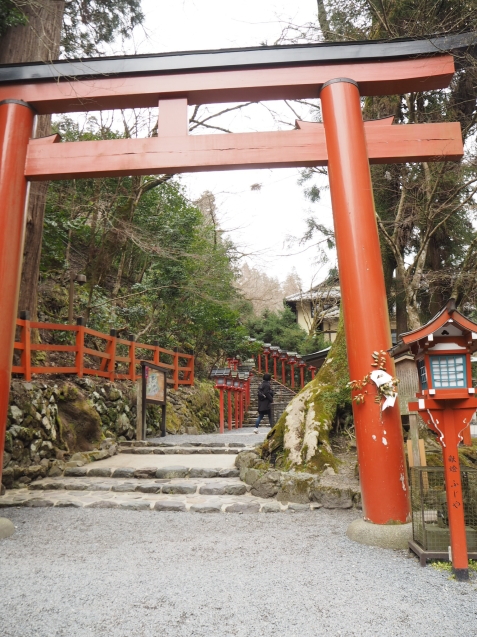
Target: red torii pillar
[16, 126]
[383, 474]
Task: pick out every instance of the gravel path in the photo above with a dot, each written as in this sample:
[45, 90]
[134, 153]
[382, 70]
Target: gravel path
[109, 573]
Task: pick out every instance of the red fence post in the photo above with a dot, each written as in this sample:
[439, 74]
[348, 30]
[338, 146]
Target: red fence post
[229, 399]
[192, 371]
[236, 408]
[176, 369]
[112, 353]
[221, 406]
[157, 353]
[132, 357]
[79, 359]
[26, 340]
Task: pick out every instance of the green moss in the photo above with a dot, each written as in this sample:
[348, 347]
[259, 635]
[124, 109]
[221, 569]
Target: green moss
[326, 395]
[78, 420]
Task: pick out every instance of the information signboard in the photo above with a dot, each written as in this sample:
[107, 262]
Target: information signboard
[154, 392]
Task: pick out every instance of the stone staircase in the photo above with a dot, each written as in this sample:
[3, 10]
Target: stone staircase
[201, 478]
[282, 397]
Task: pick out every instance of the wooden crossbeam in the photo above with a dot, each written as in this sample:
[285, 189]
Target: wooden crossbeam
[306, 146]
[383, 77]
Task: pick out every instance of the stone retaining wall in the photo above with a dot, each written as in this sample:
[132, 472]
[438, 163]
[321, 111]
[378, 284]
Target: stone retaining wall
[291, 486]
[56, 421]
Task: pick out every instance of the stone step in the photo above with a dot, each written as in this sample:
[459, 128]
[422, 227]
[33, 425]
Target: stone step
[183, 445]
[172, 497]
[143, 473]
[199, 483]
[182, 450]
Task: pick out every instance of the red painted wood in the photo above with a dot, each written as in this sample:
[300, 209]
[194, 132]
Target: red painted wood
[16, 124]
[301, 147]
[26, 354]
[80, 350]
[383, 473]
[214, 87]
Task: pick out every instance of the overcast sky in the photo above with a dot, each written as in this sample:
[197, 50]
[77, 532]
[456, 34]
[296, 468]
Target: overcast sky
[259, 221]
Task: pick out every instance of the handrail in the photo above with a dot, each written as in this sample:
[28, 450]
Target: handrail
[107, 360]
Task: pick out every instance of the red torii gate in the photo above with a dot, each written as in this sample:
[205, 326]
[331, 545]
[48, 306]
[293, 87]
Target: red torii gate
[340, 75]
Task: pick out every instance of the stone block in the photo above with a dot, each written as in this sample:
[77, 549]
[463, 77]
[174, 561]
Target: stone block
[169, 506]
[100, 472]
[229, 473]
[75, 471]
[246, 459]
[103, 504]
[140, 505]
[332, 498]
[123, 488]
[146, 472]
[38, 502]
[124, 472]
[236, 489]
[8, 477]
[271, 507]
[250, 476]
[204, 473]
[240, 507]
[294, 506]
[172, 472]
[212, 489]
[205, 508]
[64, 504]
[267, 485]
[148, 488]
[183, 489]
[295, 487]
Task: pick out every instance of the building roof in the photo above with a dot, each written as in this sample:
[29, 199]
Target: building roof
[319, 292]
[228, 59]
[448, 315]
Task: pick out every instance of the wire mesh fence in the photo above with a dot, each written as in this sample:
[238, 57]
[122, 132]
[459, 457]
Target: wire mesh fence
[430, 520]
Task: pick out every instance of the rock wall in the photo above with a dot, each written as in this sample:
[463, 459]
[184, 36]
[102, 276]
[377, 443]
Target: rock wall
[56, 421]
[299, 487]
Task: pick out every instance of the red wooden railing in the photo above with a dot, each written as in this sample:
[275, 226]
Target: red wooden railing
[108, 360]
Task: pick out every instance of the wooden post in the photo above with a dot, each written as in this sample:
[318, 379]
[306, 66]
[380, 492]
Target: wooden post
[157, 353]
[16, 124]
[26, 340]
[176, 368]
[139, 416]
[79, 363]
[112, 353]
[132, 357]
[229, 404]
[383, 479]
[414, 436]
[71, 301]
[221, 412]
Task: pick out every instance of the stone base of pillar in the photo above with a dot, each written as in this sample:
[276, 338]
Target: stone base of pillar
[386, 536]
[6, 528]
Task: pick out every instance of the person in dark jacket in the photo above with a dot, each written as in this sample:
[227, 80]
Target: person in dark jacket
[265, 400]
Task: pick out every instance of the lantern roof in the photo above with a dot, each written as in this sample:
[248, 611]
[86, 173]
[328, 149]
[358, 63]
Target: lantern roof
[447, 323]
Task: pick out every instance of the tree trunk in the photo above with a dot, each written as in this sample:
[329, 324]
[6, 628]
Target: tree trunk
[401, 311]
[301, 436]
[38, 41]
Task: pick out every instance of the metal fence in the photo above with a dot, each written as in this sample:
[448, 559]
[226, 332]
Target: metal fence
[430, 522]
